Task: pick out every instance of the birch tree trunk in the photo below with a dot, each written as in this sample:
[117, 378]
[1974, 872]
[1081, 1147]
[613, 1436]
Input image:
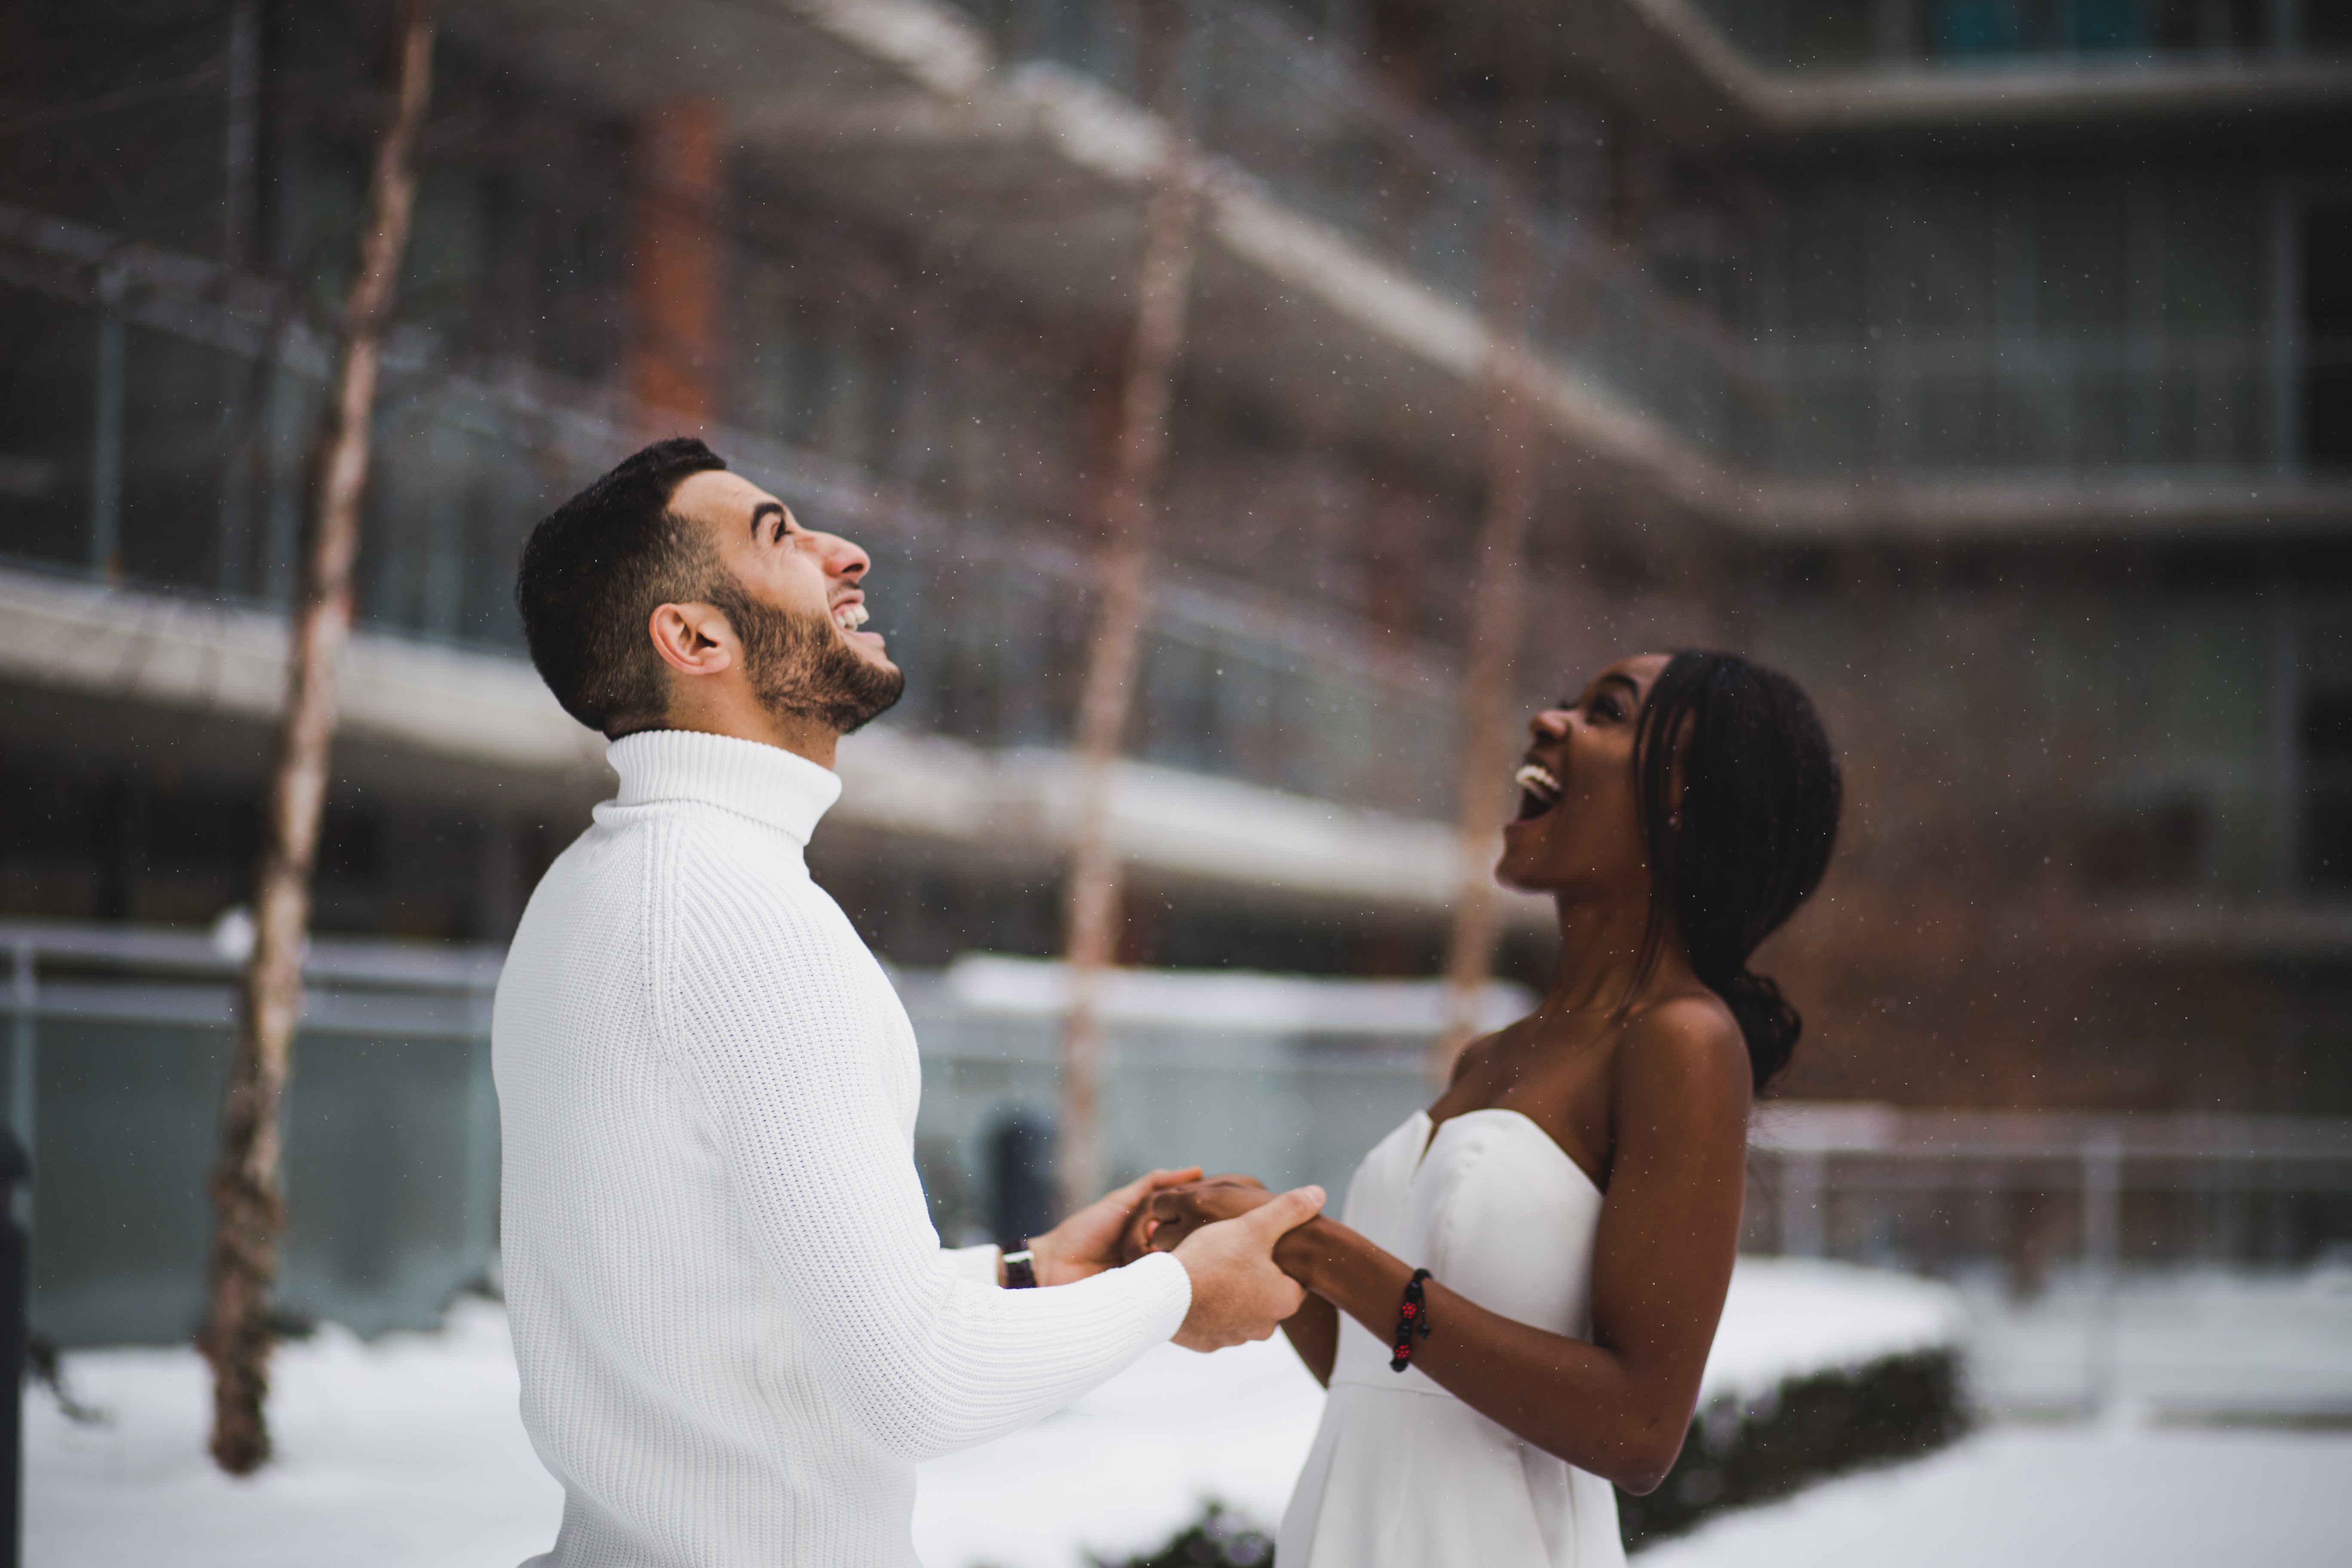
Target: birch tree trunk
[1500, 593]
[1106, 701]
[246, 1197]
[1500, 599]
[1107, 698]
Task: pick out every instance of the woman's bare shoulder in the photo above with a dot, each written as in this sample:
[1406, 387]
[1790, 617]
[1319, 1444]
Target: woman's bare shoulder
[1686, 1049]
[1479, 1054]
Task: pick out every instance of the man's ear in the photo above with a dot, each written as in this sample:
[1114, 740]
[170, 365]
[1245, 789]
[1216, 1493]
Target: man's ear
[692, 638]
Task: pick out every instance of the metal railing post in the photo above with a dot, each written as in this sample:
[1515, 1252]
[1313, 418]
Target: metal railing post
[481, 1220]
[16, 1283]
[24, 995]
[1804, 1174]
[15, 1246]
[2101, 1221]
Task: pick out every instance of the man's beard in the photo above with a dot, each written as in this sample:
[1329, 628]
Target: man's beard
[800, 667]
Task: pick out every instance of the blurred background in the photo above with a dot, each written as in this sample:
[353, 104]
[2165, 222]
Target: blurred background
[1986, 364]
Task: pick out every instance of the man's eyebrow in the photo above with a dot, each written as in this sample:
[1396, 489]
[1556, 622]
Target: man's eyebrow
[765, 509]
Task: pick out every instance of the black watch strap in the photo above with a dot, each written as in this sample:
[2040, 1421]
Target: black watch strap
[1021, 1270]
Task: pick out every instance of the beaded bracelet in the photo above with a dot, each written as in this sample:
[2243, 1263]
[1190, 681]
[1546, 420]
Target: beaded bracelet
[1413, 1318]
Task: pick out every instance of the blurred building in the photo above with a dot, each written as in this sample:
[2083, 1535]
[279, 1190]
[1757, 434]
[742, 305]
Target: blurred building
[1986, 363]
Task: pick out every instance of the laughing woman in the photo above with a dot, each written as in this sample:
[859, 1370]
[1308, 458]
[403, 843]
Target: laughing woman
[1515, 1306]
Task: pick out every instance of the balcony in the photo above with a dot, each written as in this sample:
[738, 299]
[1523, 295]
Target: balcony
[1717, 72]
[1960, 35]
[1278, 741]
[2023, 414]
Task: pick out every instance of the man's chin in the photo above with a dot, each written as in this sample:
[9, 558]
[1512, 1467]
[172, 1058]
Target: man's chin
[873, 699]
[811, 667]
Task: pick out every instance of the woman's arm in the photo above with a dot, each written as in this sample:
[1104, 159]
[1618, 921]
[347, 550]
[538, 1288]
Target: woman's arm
[1620, 1404]
[1313, 1331]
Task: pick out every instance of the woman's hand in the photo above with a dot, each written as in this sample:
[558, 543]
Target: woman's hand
[1135, 1240]
[1096, 1237]
[1178, 1210]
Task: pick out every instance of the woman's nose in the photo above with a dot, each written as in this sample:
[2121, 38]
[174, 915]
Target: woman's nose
[1548, 725]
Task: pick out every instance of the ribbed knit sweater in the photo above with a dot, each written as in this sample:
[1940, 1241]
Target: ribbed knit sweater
[736, 1326]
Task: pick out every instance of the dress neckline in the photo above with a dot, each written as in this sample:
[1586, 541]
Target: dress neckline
[1429, 1140]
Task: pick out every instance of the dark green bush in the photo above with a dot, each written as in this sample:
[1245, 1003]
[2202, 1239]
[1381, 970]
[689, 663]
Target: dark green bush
[1808, 1428]
[1217, 1539]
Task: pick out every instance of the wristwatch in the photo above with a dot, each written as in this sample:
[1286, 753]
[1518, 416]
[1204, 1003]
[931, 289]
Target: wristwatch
[1021, 1270]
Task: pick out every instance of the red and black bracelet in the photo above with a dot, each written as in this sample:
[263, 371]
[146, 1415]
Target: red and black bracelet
[1412, 1320]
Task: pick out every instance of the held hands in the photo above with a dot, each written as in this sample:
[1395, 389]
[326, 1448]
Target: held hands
[1238, 1294]
[1224, 1230]
[1176, 1210]
[1095, 1238]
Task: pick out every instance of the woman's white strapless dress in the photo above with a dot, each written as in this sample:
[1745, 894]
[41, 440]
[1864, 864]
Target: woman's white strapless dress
[1403, 1474]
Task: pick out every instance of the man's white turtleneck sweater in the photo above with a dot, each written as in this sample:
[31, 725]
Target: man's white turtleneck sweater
[736, 1328]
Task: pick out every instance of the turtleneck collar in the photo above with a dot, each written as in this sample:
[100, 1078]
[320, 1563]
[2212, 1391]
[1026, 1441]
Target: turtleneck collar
[766, 784]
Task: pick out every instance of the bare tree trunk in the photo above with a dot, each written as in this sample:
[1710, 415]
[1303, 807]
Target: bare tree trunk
[1139, 447]
[1486, 732]
[246, 1191]
[1500, 596]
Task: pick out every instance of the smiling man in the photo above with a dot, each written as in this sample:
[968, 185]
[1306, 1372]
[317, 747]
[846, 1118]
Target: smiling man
[736, 1328]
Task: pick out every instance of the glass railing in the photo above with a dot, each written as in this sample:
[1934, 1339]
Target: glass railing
[158, 439]
[1847, 34]
[117, 1039]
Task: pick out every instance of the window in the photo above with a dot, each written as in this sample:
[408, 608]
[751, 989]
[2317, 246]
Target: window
[2327, 336]
[2323, 738]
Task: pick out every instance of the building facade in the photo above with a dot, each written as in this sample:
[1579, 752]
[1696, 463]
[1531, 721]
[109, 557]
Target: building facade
[1987, 363]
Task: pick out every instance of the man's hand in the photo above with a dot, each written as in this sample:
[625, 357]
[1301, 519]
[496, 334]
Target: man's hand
[1237, 1292]
[1089, 1241]
[1180, 1209]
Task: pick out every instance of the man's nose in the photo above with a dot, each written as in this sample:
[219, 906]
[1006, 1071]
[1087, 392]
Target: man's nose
[845, 560]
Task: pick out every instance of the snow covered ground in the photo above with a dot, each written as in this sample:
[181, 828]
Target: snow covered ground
[408, 1452]
[2070, 1497]
[405, 1452]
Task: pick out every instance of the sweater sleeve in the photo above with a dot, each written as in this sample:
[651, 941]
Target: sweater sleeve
[977, 1264]
[772, 1024]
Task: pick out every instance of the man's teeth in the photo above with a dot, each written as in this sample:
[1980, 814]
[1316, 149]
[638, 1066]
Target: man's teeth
[1537, 780]
[849, 617]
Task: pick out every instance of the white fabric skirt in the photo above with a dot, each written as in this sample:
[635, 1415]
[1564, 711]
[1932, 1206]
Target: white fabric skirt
[1412, 1478]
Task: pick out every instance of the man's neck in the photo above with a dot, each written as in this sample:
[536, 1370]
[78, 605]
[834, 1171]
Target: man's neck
[804, 737]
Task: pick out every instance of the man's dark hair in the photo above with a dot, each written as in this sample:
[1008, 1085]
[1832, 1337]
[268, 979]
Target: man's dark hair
[594, 570]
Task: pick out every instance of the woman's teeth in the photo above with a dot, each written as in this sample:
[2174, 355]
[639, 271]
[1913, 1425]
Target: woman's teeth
[1538, 791]
[849, 617]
